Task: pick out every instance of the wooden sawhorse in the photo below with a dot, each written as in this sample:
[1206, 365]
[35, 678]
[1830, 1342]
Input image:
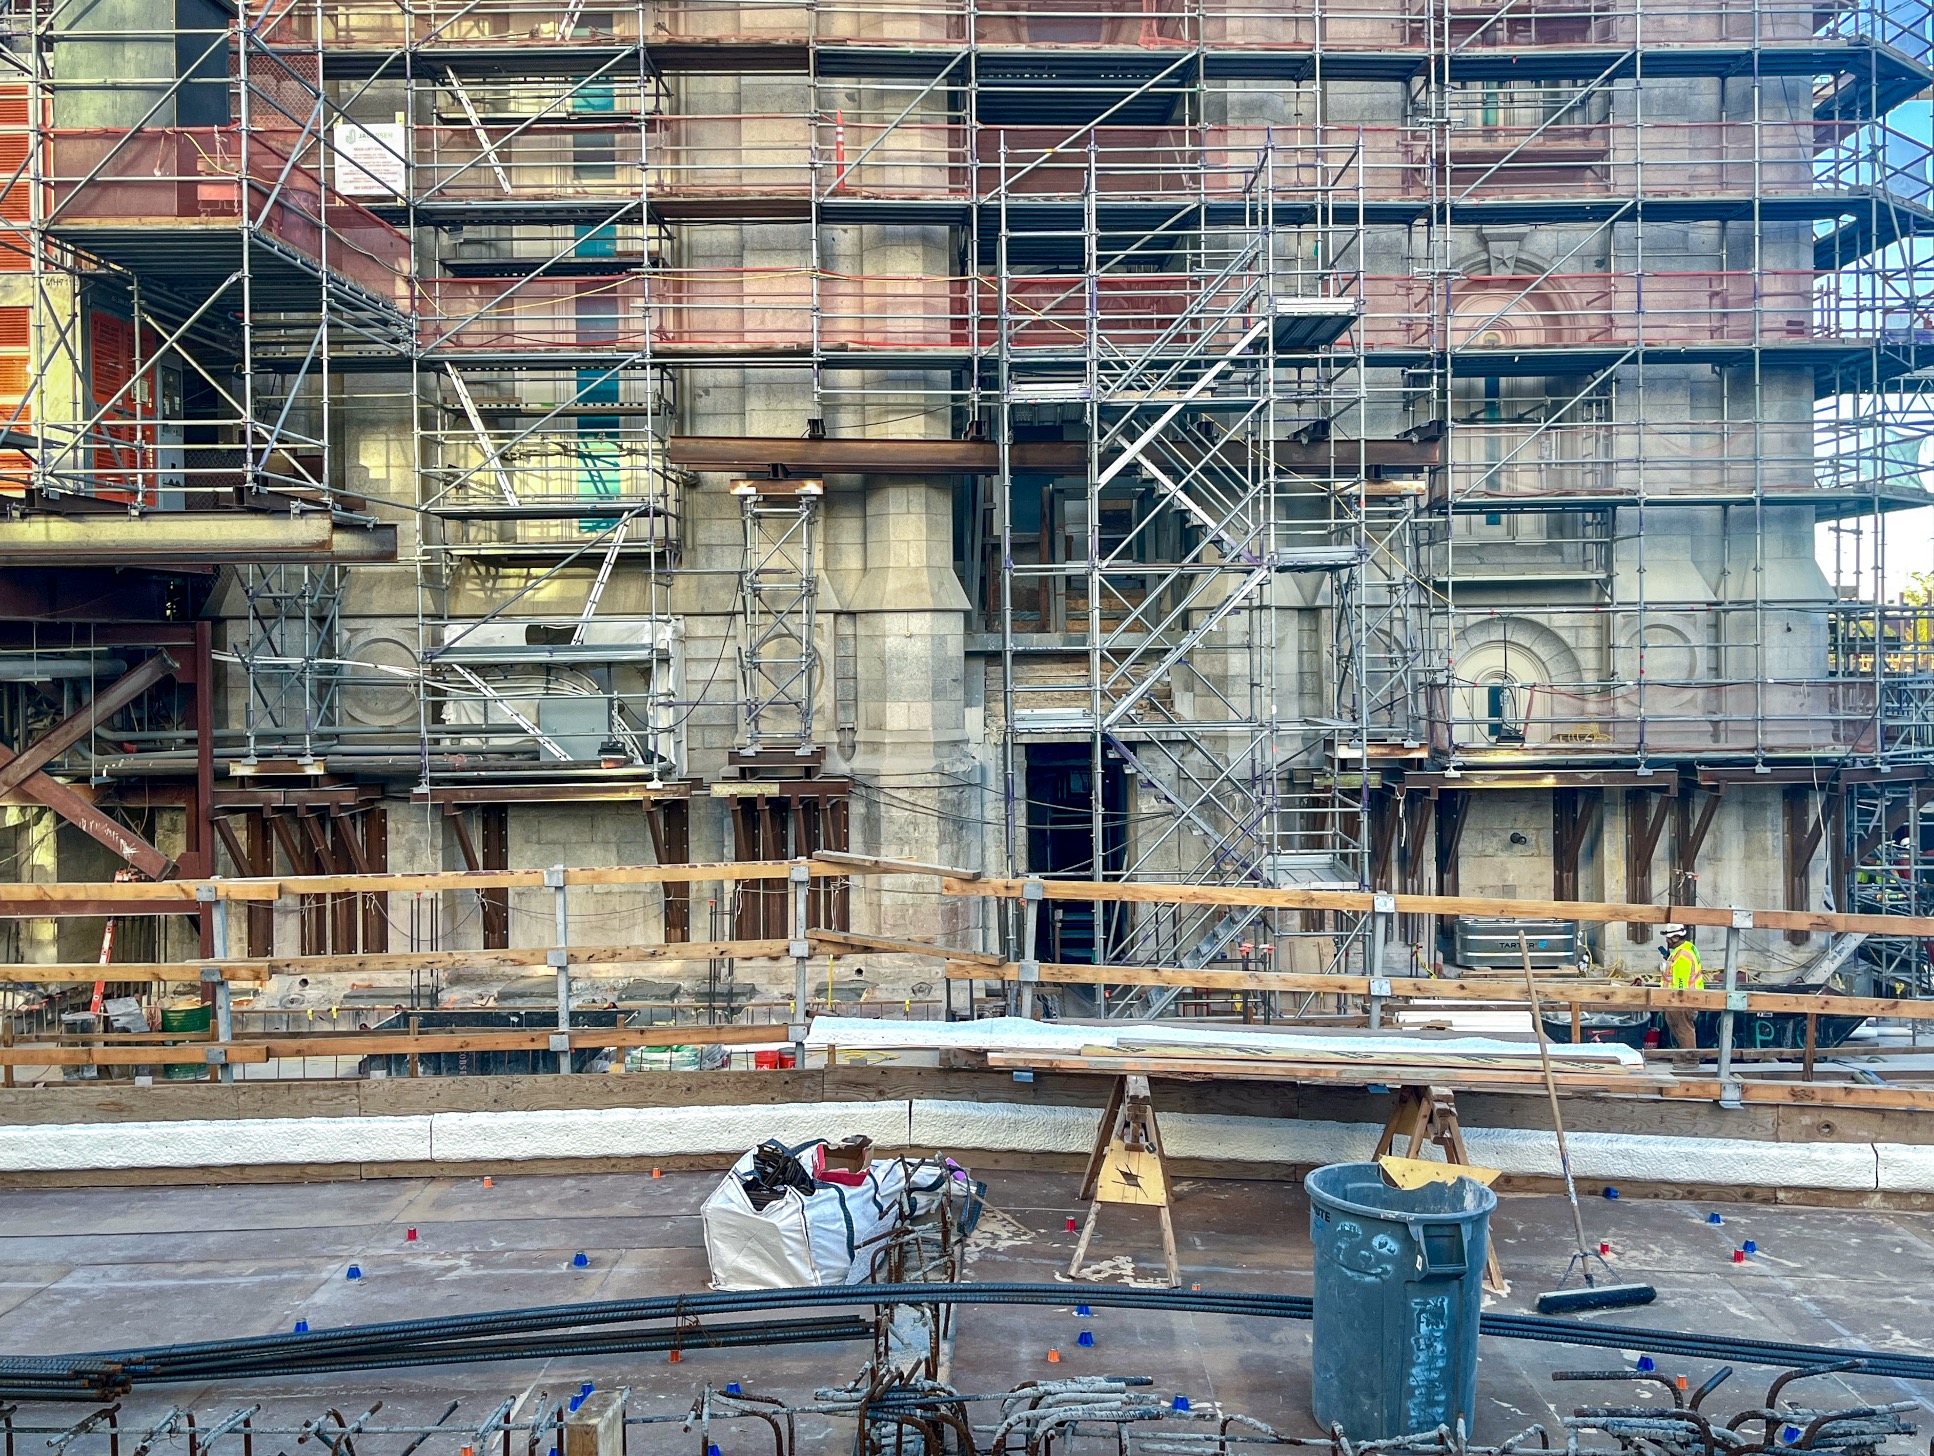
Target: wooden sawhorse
[1428, 1115]
[1127, 1166]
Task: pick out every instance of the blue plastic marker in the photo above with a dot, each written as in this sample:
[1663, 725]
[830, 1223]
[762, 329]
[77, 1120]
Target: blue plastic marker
[1083, 1311]
[1086, 1339]
[1180, 1403]
[1646, 1364]
[1610, 1192]
[1750, 1247]
[732, 1387]
[580, 1261]
[1714, 1218]
[355, 1272]
[587, 1387]
[302, 1327]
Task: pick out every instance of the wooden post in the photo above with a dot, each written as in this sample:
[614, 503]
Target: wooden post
[416, 1025]
[560, 959]
[1812, 1046]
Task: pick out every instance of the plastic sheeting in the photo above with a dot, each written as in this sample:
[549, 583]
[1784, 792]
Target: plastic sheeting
[1014, 1033]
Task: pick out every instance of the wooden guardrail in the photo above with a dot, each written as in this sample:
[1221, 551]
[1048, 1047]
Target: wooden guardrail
[954, 883]
[1363, 902]
[200, 1048]
[1552, 993]
[53, 895]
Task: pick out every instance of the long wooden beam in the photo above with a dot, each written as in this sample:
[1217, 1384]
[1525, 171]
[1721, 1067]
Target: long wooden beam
[255, 970]
[260, 969]
[1791, 1094]
[1287, 1069]
[49, 898]
[1419, 988]
[367, 1043]
[1361, 902]
[850, 941]
[53, 895]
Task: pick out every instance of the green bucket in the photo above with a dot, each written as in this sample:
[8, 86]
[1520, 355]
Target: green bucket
[186, 1016]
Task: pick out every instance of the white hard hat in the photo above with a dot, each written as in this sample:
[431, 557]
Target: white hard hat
[1673, 928]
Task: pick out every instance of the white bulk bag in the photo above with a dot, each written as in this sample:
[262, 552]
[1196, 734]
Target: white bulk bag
[796, 1240]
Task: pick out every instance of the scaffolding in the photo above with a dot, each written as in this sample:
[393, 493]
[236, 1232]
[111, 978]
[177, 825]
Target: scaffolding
[1342, 402]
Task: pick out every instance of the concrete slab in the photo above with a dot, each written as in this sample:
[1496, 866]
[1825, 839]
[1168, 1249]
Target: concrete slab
[90, 1269]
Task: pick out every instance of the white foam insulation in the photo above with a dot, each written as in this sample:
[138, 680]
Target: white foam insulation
[224, 1143]
[1905, 1168]
[1018, 1034]
[510, 1138]
[649, 1132]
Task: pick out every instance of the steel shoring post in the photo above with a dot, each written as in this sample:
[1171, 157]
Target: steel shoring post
[327, 167]
[1033, 895]
[1728, 1082]
[1003, 383]
[1091, 392]
[40, 104]
[560, 959]
[1757, 322]
[224, 1006]
[777, 592]
[798, 890]
[816, 243]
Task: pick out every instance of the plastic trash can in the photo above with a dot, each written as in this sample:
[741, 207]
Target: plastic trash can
[1399, 1288]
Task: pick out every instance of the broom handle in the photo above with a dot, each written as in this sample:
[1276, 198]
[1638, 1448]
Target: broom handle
[1551, 1090]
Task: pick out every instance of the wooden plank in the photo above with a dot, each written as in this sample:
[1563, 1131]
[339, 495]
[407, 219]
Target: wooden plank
[1602, 912]
[1284, 1070]
[260, 969]
[1822, 1094]
[870, 864]
[364, 1044]
[77, 972]
[1498, 992]
[193, 1053]
[1809, 1094]
[52, 895]
[51, 898]
[371, 1043]
[846, 940]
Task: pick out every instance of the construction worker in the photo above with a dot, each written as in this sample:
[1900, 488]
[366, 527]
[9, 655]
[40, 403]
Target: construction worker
[1683, 972]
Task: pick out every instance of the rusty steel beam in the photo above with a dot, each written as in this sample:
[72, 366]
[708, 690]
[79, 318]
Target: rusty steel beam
[76, 810]
[77, 725]
[120, 909]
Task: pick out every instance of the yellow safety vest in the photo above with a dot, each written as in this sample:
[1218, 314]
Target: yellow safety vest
[1682, 969]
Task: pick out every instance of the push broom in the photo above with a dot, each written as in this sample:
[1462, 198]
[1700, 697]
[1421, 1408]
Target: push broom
[1590, 1294]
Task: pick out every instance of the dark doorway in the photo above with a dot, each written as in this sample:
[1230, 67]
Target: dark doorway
[1060, 844]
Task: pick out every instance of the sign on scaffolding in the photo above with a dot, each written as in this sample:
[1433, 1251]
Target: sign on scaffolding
[371, 159]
